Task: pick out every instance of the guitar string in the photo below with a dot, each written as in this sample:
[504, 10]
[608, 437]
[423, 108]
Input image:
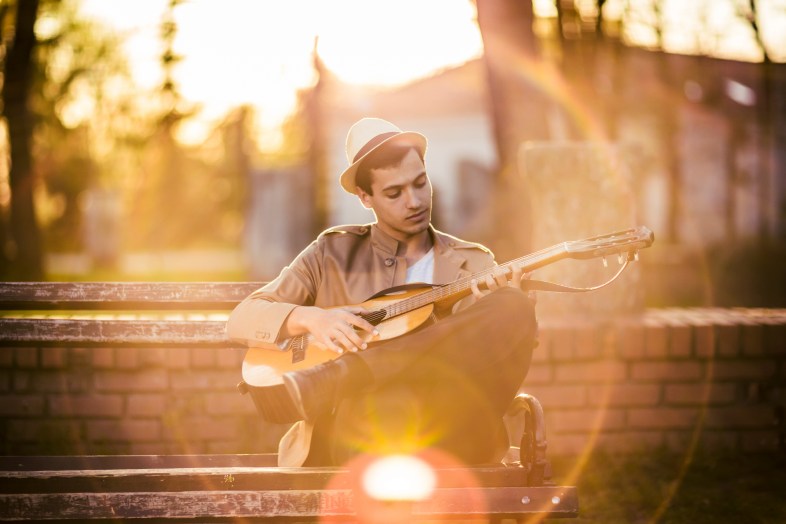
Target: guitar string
[422, 299]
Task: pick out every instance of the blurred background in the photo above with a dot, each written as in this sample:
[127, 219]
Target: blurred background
[196, 140]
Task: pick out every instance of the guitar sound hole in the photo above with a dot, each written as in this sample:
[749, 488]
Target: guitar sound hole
[375, 317]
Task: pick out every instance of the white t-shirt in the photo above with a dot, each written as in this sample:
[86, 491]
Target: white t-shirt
[422, 270]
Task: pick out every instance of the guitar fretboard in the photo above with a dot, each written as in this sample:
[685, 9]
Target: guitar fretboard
[463, 285]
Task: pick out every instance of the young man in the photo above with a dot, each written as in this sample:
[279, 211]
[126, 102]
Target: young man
[443, 385]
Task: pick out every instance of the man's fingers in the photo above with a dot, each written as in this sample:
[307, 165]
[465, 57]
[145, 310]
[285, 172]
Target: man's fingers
[473, 286]
[353, 341]
[515, 280]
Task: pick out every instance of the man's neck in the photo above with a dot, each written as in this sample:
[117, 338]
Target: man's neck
[412, 247]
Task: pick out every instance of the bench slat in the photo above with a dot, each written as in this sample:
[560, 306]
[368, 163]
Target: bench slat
[222, 478]
[124, 295]
[46, 332]
[557, 501]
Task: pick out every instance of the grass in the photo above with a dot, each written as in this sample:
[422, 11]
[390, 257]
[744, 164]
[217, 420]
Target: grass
[663, 487]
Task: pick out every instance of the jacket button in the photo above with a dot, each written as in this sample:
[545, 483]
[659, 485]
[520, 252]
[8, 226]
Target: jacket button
[452, 244]
[389, 262]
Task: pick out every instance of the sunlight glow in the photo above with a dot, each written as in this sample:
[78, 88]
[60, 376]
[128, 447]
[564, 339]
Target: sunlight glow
[399, 477]
[259, 53]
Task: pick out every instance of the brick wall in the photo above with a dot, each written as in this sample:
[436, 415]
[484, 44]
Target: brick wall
[671, 377]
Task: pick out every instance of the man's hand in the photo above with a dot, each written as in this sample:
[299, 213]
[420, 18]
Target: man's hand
[332, 328]
[498, 279]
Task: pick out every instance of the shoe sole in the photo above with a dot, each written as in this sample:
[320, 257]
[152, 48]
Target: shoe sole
[294, 394]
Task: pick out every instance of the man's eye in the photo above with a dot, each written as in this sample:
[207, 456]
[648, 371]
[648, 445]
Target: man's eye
[394, 195]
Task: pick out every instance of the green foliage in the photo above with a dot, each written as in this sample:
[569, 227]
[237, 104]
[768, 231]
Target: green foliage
[672, 488]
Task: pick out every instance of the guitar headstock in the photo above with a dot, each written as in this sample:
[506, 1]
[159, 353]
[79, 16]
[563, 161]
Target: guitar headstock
[624, 241]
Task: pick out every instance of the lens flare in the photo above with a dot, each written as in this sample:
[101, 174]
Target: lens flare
[399, 477]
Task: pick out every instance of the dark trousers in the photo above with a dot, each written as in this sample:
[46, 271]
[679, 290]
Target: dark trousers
[445, 386]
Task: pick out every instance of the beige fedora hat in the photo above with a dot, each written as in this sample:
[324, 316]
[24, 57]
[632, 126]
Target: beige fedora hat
[367, 135]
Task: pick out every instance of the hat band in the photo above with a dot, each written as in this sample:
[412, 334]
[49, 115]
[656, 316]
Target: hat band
[374, 142]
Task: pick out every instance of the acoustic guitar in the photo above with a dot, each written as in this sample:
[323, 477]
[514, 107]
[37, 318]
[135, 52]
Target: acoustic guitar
[400, 310]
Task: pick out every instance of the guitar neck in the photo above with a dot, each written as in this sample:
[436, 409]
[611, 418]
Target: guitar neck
[456, 290]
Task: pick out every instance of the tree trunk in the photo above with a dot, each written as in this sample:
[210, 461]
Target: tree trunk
[518, 108]
[24, 230]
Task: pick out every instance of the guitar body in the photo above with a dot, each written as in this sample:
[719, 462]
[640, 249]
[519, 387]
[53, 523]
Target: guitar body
[265, 367]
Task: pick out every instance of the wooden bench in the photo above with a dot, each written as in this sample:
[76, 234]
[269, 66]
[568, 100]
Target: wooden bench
[226, 487]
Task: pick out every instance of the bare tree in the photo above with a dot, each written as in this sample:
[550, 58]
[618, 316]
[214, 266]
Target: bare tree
[24, 230]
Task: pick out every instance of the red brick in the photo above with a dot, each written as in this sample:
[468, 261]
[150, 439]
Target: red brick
[178, 358]
[587, 343]
[67, 381]
[40, 429]
[201, 428]
[539, 374]
[680, 341]
[86, 405]
[21, 405]
[152, 357]
[103, 357]
[569, 443]
[150, 380]
[6, 357]
[761, 441]
[206, 380]
[26, 357]
[624, 395]
[704, 340]
[744, 416]
[600, 371]
[586, 420]
[553, 396]
[667, 371]
[146, 404]
[21, 381]
[230, 357]
[775, 339]
[561, 345]
[752, 339]
[630, 340]
[656, 341]
[203, 357]
[728, 340]
[149, 448]
[124, 430]
[745, 369]
[126, 358]
[229, 447]
[700, 394]
[663, 418]
[54, 357]
[228, 403]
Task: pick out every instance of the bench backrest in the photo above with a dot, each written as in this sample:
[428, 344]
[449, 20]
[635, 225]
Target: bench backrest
[139, 314]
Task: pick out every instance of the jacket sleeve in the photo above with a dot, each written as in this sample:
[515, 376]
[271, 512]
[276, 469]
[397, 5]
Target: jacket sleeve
[257, 320]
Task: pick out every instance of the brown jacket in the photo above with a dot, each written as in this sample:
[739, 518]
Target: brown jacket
[345, 265]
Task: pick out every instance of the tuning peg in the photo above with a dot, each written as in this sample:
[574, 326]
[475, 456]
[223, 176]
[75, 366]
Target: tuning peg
[605, 262]
[620, 258]
[636, 255]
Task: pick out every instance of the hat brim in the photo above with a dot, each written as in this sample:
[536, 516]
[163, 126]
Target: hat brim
[347, 178]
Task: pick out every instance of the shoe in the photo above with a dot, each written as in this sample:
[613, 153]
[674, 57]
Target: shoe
[314, 391]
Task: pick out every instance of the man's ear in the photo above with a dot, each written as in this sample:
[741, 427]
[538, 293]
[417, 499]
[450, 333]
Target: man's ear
[364, 197]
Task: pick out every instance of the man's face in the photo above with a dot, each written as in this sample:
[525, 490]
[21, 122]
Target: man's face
[401, 197]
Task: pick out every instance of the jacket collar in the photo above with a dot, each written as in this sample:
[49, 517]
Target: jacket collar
[448, 262]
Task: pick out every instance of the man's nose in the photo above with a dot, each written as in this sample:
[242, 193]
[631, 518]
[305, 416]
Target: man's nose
[413, 201]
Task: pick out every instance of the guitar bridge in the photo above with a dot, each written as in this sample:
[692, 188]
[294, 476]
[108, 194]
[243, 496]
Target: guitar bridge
[298, 348]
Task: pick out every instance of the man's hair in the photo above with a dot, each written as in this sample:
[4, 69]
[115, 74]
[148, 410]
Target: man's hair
[389, 155]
